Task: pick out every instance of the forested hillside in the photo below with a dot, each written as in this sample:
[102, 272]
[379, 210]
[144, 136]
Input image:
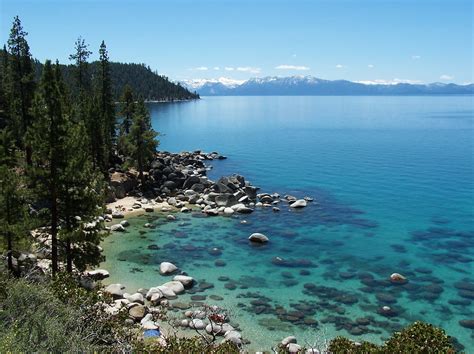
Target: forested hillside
[143, 81]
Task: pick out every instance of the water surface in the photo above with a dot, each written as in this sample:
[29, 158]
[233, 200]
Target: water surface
[393, 183]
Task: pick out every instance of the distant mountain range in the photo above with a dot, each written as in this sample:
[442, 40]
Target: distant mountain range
[309, 85]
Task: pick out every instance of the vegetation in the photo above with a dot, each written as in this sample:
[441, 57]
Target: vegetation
[419, 337]
[139, 77]
[58, 141]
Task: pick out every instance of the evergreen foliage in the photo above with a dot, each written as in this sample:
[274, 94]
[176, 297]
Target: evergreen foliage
[141, 142]
[20, 85]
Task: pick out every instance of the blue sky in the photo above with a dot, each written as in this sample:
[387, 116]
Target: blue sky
[359, 40]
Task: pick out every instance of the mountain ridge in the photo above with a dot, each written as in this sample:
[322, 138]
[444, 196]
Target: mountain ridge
[313, 86]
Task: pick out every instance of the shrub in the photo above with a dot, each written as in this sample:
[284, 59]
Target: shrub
[419, 337]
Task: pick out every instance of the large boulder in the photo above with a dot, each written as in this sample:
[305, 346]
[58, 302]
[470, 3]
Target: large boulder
[167, 268]
[137, 297]
[115, 290]
[167, 292]
[117, 228]
[184, 279]
[176, 286]
[258, 238]
[137, 312]
[122, 183]
[300, 203]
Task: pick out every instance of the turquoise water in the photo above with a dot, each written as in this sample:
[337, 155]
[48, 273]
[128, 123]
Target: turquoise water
[393, 183]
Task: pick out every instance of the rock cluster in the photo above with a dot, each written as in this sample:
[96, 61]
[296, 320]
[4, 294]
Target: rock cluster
[142, 305]
[180, 180]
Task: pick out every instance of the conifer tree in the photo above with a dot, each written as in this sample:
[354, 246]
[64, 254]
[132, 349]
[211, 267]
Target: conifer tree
[127, 102]
[13, 204]
[48, 136]
[107, 108]
[80, 58]
[142, 142]
[81, 197]
[21, 85]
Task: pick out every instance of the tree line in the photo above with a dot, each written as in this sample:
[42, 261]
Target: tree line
[58, 141]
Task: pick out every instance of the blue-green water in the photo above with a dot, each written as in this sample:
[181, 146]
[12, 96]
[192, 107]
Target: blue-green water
[393, 183]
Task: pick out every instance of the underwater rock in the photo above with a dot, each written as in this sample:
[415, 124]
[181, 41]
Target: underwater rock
[117, 228]
[220, 263]
[467, 323]
[397, 278]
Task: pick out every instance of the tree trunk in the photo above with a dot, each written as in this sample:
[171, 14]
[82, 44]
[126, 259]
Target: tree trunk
[10, 253]
[68, 257]
[54, 232]
[29, 154]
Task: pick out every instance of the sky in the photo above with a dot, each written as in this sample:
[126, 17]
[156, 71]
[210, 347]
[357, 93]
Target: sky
[360, 40]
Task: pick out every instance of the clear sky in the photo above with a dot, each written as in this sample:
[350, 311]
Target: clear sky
[359, 40]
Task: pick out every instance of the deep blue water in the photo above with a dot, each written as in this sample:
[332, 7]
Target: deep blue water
[393, 182]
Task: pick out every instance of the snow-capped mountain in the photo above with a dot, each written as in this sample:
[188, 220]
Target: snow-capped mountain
[309, 85]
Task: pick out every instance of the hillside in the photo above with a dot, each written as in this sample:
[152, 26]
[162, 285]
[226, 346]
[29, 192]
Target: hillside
[143, 81]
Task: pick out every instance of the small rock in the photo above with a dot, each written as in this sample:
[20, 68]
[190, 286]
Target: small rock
[258, 238]
[117, 228]
[167, 268]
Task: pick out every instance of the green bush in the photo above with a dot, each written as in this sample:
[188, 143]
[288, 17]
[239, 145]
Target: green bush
[56, 316]
[419, 337]
[180, 345]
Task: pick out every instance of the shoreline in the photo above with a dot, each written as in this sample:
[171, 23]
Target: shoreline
[181, 186]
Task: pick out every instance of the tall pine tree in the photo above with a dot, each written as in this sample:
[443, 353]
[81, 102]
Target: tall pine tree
[127, 103]
[21, 85]
[107, 107]
[49, 136]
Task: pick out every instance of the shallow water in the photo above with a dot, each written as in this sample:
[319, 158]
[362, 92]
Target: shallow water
[393, 183]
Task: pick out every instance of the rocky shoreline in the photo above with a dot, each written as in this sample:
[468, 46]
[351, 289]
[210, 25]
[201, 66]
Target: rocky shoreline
[179, 182]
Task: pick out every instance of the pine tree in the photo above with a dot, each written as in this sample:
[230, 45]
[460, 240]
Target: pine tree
[13, 204]
[21, 85]
[48, 136]
[107, 107]
[142, 140]
[4, 115]
[81, 195]
[127, 102]
[80, 58]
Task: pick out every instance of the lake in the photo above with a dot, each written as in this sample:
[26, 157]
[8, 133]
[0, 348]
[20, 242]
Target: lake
[393, 185]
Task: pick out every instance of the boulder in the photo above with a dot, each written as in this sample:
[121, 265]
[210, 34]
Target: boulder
[137, 297]
[116, 290]
[397, 278]
[176, 286]
[137, 312]
[293, 348]
[288, 340]
[184, 279]
[228, 211]
[167, 268]
[197, 323]
[167, 292]
[117, 215]
[258, 238]
[300, 203]
[117, 228]
[124, 223]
